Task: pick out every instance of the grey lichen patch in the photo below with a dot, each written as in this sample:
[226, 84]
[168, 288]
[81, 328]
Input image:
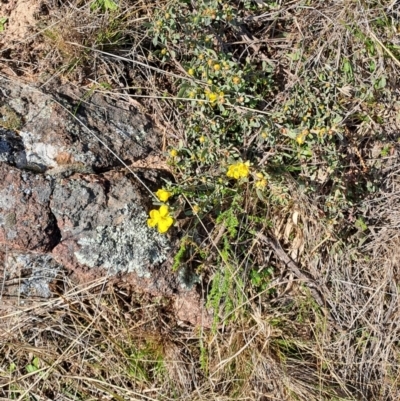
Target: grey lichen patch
[104, 224]
[9, 118]
[126, 248]
[126, 131]
[10, 220]
[7, 199]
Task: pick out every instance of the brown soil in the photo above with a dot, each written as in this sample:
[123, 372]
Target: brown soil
[21, 19]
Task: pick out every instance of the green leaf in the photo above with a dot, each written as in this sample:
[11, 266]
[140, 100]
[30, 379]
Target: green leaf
[31, 368]
[260, 195]
[381, 82]
[36, 362]
[34, 365]
[347, 69]
[12, 367]
[110, 5]
[360, 224]
[295, 56]
[3, 20]
[372, 66]
[292, 134]
[155, 40]
[104, 5]
[182, 90]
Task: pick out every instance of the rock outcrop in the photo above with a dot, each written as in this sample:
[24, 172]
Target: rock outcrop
[67, 208]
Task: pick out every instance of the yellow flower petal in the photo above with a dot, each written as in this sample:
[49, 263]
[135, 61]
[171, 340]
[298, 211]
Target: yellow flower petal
[236, 80]
[154, 218]
[151, 222]
[300, 139]
[261, 184]
[164, 224]
[239, 170]
[161, 219]
[212, 97]
[154, 214]
[163, 211]
[163, 195]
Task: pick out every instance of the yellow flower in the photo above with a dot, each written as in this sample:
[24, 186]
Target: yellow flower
[236, 80]
[163, 195]
[261, 182]
[173, 152]
[300, 139]
[161, 219]
[217, 67]
[239, 170]
[202, 139]
[196, 209]
[164, 51]
[212, 97]
[191, 71]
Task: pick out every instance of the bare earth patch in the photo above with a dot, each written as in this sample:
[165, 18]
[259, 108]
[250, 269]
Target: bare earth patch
[21, 19]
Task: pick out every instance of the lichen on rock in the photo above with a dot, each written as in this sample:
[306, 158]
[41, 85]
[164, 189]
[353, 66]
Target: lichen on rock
[103, 225]
[129, 247]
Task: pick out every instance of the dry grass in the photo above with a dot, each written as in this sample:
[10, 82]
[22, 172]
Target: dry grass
[284, 342]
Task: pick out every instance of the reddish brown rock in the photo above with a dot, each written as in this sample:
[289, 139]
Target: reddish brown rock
[26, 221]
[61, 129]
[87, 226]
[65, 210]
[103, 226]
